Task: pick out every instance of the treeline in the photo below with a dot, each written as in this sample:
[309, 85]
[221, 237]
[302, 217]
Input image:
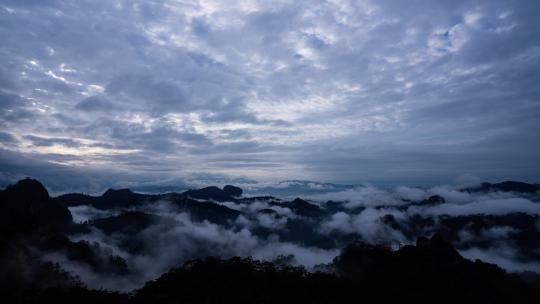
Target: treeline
[430, 272]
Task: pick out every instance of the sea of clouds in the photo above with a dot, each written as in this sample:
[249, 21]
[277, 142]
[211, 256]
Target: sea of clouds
[262, 230]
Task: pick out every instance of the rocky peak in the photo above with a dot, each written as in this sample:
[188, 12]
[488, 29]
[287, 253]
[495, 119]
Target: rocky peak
[28, 189]
[232, 190]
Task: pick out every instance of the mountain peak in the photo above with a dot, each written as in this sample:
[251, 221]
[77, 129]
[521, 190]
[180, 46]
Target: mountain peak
[28, 189]
[210, 193]
[232, 190]
[117, 193]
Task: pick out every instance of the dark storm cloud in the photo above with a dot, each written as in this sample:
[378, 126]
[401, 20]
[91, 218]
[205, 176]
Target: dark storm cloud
[333, 90]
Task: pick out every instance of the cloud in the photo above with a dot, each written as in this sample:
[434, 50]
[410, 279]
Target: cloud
[493, 206]
[47, 142]
[504, 257]
[340, 222]
[95, 103]
[175, 238]
[308, 257]
[452, 195]
[361, 196]
[7, 138]
[368, 224]
[412, 194]
[271, 221]
[343, 92]
[85, 213]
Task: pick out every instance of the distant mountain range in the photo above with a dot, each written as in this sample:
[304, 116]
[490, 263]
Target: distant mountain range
[127, 238]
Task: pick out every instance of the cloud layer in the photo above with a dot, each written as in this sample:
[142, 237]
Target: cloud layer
[154, 235]
[343, 91]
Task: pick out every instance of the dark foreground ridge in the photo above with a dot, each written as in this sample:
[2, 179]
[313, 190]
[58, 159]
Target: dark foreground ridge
[33, 224]
[430, 272]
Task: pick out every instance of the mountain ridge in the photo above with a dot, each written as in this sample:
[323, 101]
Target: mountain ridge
[132, 221]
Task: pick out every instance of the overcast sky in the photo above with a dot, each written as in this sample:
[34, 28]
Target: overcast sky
[338, 91]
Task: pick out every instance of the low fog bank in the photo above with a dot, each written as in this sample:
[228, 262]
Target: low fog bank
[122, 239]
[499, 227]
[174, 237]
[478, 223]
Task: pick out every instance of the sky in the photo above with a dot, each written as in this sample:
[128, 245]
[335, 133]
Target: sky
[107, 92]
